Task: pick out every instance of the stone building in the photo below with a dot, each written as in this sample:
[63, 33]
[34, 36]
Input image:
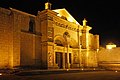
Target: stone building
[50, 39]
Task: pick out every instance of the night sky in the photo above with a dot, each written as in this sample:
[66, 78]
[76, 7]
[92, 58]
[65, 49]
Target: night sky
[102, 15]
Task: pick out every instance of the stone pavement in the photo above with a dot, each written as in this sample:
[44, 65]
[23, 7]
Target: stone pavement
[47, 71]
[54, 71]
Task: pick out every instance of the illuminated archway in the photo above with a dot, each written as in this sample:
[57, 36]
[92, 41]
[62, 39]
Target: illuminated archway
[73, 43]
[59, 40]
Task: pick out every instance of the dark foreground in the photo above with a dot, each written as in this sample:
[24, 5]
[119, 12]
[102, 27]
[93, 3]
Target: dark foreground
[87, 75]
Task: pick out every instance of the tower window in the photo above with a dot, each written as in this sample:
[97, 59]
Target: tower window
[31, 25]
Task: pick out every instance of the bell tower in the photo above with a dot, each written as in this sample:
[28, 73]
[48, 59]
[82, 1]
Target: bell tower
[48, 5]
[84, 22]
[85, 35]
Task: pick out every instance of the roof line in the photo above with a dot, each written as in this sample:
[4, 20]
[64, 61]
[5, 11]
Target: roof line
[22, 12]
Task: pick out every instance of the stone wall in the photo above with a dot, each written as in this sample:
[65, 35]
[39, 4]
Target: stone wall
[16, 38]
[6, 38]
[89, 58]
[27, 49]
[109, 54]
[109, 58]
[10, 38]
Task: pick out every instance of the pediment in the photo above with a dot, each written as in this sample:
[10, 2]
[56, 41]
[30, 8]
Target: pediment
[64, 13]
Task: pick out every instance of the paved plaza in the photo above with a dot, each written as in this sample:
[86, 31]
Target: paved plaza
[58, 75]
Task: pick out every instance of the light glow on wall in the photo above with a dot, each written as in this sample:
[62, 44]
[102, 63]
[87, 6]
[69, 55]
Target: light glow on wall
[1, 74]
[110, 46]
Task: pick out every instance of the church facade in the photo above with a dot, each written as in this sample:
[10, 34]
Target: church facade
[51, 39]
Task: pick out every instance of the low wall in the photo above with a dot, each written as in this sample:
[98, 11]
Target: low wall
[111, 65]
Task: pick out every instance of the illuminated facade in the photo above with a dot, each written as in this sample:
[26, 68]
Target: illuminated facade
[51, 39]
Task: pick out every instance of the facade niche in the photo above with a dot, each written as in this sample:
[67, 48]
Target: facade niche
[63, 17]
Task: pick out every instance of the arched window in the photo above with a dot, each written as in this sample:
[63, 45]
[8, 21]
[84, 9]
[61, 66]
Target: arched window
[58, 42]
[66, 34]
[31, 25]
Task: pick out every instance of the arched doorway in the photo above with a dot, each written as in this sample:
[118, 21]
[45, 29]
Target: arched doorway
[65, 43]
[59, 41]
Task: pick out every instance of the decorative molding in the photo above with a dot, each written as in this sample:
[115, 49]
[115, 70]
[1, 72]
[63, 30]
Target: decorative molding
[64, 26]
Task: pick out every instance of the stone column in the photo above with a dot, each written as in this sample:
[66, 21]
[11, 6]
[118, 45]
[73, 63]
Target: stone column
[63, 63]
[87, 55]
[54, 63]
[68, 63]
[79, 46]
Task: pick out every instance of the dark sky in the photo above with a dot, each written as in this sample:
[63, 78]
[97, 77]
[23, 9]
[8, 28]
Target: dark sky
[102, 15]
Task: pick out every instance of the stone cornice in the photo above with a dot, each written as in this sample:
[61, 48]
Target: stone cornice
[21, 12]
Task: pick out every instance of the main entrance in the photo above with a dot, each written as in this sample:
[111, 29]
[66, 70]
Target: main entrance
[59, 59]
